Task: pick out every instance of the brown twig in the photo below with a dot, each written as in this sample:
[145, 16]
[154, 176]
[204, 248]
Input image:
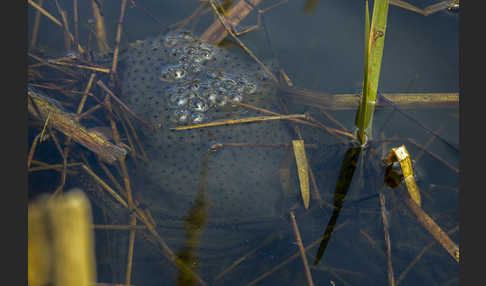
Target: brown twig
[241, 121]
[118, 36]
[32, 149]
[76, 34]
[308, 275]
[93, 68]
[228, 29]
[85, 93]
[419, 256]
[134, 132]
[35, 29]
[244, 257]
[291, 258]
[102, 85]
[45, 166]
[333, 120]
[429, 224]
[112, 179]
[45, 13]
[217, 32]
[63, 70]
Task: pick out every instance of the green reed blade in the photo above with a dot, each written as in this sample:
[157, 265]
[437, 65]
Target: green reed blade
[365, 78]
[373, 57]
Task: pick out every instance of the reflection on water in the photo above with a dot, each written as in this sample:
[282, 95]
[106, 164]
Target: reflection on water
[245, 236]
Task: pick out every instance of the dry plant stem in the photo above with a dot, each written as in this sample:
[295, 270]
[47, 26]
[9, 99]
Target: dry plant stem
[386, 226]
[144, 10]
[68, 35]
[85, 93]
[64, 166]
[93, 68]
[32, 150]
[63, 70]
[102, 85]
[228, 29]
[183, 23]
[308, 275]
[105, 186]
[221, 145]
[131, 242]
[338, 277]
[134, 132]
[67, 40]
[407, 6]
[434, 155]
[419, 123]
[267, 240]
[217, 32]
[128, 191]
[427, 144]
[45, 13]
[118, 36]
[248, 106]
[130, 141]
[90, 111]
[100, 31]
[291, 258]
[76, 34]
[334, 120]
[35, 29]
[372, 242]
[45, 166]
[112, 178]
[119, 227]
[240, 121]
[419, 256]
[331, 131]
[429, 224]
[259, 19]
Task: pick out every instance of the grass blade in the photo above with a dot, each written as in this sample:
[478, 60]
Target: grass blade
[373, 57]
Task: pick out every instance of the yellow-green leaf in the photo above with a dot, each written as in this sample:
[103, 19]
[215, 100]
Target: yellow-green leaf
[303, 170]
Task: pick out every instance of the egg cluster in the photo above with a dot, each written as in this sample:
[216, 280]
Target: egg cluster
[194, 86]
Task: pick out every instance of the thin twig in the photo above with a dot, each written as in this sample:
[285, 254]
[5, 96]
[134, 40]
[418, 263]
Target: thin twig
[45, 13]
[76, 35]
[118, 36]
[32, 149]
[419, 256]
[241, 121]
[228, 29]
[35, 29]
[429, 224]
[308, 275]
[102, 85]
[294, 256]
[85, 93]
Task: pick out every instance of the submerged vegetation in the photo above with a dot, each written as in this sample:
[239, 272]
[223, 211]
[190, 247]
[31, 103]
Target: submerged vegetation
[208, 165]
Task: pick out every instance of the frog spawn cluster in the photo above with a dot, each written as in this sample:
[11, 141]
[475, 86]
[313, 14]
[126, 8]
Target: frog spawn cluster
[195, 88]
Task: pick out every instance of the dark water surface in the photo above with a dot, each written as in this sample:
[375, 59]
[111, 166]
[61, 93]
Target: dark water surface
[322, 51]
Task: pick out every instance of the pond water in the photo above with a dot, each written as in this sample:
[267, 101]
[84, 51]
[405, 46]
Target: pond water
[320, 51]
